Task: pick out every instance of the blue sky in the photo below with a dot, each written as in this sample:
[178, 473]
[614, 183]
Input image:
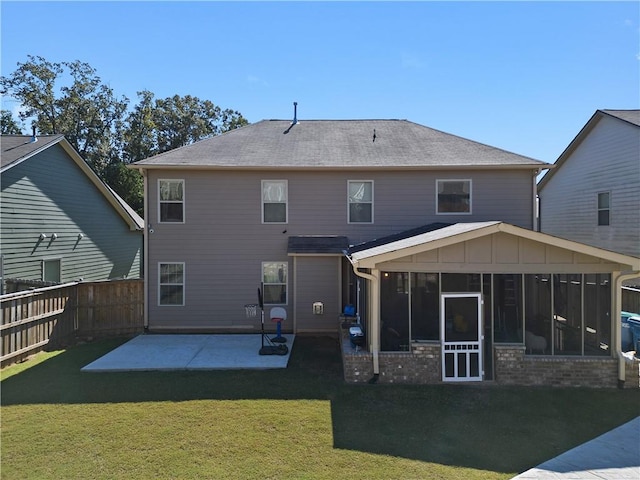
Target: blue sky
[522, 76]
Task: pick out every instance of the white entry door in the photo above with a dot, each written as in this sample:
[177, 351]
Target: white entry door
[461, 327]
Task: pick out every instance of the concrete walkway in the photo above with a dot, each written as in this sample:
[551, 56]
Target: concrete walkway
[614, 455]
[190, 352]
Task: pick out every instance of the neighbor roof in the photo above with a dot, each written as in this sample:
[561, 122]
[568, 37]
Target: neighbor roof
[343, 144]
[16, 148]
[629, 116]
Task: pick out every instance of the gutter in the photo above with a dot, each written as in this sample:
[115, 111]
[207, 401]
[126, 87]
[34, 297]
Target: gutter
[375, 349]
[618, 306]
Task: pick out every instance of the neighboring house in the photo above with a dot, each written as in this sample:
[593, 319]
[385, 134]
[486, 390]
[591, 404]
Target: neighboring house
[59, 221]
[593, 194]
[430, 235]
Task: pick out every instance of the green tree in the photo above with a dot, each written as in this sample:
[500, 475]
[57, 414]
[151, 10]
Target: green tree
[86, 112]
[8, 125]
[99, 125]
[160, 125]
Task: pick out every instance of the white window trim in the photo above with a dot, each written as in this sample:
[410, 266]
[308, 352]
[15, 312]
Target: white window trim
[598, 209]
[441, 180]
[42, 269]
[184, 284]
[349, 182]
[184, 200]
[286, 283]
[286, 203]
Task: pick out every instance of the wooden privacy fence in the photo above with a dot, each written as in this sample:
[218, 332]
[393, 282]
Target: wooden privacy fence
[57, 316]
[630, 300]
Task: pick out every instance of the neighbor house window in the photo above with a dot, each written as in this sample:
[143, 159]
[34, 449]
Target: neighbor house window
[274, 201]
[171, 283]
[453, 196]
[274, 283]
[604, 208]
[171, 201]
[51, 270]
[360, 201]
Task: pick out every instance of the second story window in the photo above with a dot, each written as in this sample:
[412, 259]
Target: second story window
[171, 201]
[360, 201]
[604, 208]
[453, 196]
[274, 201]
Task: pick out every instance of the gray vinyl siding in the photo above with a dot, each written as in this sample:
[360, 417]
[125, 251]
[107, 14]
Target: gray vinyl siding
[223, 241]
[317, 280]
[607, 160]
[48, 193]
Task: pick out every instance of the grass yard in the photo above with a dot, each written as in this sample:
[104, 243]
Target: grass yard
[300, 423]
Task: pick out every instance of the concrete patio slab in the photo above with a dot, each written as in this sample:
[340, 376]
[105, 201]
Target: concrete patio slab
[613, 455]
[190, 352]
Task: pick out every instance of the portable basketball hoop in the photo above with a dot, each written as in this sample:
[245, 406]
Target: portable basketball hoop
[270, 348]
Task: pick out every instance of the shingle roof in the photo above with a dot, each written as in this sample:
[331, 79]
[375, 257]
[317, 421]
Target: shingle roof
[432, 227]
[631, 116]
[332, 144]
[19, 147]
[317, 244]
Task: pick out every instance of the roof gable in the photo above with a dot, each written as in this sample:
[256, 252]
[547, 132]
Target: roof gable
[464, 232]
[629, 116]
[337, 144]
[19, 148]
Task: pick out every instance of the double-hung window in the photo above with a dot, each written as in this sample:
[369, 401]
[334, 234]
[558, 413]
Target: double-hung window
[360, 194]
[171, 284]
[274, 201]
[274, 283]
[604, 208]
[453, 196]
[171, 201]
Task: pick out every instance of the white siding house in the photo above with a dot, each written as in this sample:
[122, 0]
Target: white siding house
[593, 194]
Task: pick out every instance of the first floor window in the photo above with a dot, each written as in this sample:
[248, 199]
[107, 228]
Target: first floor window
[274, 283]
[274, 201]
[171, 283]
[171, 201]
[51, 270]
[360, 201]
[604, 208]
[453, 196]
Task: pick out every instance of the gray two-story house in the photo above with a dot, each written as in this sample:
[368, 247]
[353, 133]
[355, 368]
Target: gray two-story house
[59, 222]
[430, 236]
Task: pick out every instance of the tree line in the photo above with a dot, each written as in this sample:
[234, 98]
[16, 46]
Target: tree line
[69, 98]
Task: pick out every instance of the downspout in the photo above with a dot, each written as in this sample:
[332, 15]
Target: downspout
[375, 313]
[618, 323]
[536, 209]
[147, 230]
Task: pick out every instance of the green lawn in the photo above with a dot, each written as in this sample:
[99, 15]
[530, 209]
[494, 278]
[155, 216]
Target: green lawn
[300, 423]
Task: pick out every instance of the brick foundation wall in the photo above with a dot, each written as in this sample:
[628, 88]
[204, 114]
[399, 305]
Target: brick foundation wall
[632, 373]
[421, 366]
[512, 367]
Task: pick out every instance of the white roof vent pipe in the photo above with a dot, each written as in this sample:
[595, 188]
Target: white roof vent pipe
[34, 138]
